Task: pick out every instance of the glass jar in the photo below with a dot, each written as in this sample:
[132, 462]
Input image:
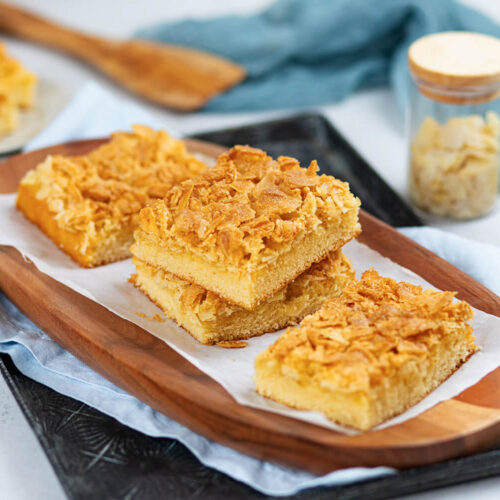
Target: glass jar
[453, 124]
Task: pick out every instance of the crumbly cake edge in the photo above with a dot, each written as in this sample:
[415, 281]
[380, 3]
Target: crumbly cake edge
[28, 205]
[347, 274]
[417, 399]
[249, 305]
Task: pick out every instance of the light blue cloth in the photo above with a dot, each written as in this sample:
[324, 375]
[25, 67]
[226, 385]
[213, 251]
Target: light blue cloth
[40, 358]
[305, 53]
[479, 260]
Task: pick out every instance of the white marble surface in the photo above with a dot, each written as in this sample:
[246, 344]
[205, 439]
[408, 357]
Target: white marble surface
[369, 120]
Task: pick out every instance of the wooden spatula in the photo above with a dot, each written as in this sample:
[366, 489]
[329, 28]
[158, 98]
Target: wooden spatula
[175, 77]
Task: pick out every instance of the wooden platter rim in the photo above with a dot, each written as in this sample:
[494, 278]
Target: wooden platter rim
[328, 441]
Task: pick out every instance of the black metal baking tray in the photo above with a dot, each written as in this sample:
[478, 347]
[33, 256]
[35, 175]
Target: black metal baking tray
[137, 466]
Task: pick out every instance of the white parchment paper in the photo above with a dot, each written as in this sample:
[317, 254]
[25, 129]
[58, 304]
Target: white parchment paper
[232, 368]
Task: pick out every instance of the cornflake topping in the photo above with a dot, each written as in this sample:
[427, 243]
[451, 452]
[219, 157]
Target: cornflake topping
[113, 182]
[247, 207]
[377, 325]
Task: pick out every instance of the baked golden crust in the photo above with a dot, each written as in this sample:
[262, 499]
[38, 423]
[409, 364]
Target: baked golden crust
[362, 343]
[248, 208]
[97, 196]
[199, 300]
[210, 319]
[114, 181]
[37, 212]
[248, 226]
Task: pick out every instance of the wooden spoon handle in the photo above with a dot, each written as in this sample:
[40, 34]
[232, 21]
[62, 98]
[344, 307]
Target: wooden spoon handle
[23, 24]
[177, 77]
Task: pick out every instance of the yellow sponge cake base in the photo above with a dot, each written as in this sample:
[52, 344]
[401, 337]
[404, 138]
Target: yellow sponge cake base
[210, 319]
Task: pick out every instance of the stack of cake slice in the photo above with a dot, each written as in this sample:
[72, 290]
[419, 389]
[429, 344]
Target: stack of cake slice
[247, 247]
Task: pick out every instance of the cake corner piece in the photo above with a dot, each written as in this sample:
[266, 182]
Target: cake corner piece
[88, 205]
[370, 354]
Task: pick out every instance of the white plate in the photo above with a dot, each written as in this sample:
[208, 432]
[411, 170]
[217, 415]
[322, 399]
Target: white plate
[50, 99]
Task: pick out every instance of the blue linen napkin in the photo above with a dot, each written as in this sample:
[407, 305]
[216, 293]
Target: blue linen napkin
[301, 53]
[41, 359]
[479, 260]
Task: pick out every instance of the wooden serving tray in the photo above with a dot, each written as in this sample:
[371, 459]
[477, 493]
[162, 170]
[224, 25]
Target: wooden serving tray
[150, 370]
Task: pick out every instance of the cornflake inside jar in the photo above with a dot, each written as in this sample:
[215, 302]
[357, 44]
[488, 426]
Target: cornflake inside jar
[454, 166]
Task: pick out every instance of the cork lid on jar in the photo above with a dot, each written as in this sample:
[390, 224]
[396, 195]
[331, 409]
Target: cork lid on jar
[458, 67]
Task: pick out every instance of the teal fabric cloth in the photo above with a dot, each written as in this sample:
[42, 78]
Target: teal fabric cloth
[303, 53]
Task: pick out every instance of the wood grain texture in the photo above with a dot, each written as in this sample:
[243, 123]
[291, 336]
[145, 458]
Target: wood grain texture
[176, 77]
[147, 368]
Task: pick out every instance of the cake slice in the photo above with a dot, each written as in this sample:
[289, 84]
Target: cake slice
[369, 354]
[16, 83]
[246, 227]
[17, 90]
[210, 319]
[89, 205]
